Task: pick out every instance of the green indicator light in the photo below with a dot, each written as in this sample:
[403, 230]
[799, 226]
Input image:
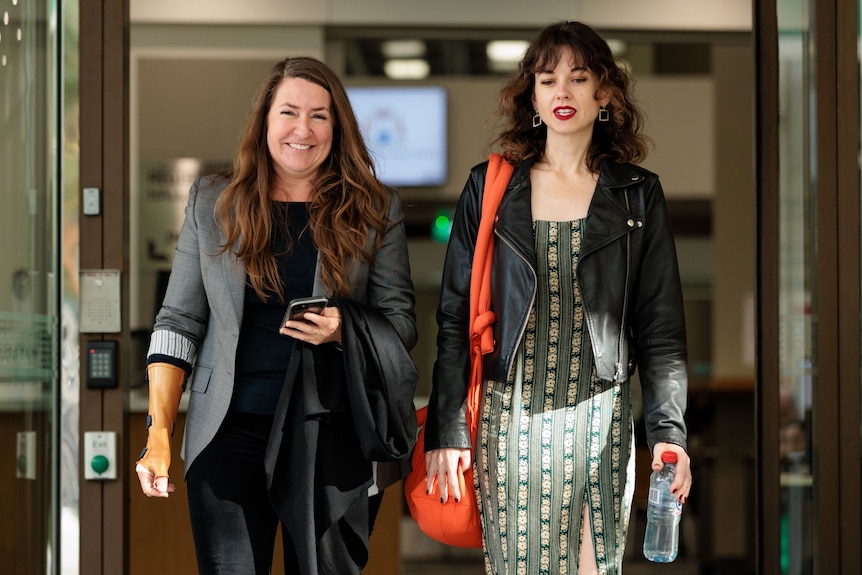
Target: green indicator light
[441, 228]
[22, 463]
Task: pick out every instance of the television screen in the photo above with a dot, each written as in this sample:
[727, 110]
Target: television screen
[405, 130]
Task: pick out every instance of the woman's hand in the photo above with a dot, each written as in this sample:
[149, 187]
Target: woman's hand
[681, 485]
[444, 463]
[315, 328]
[151, 485]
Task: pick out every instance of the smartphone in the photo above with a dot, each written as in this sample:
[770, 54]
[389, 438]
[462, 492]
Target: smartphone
[299, 306]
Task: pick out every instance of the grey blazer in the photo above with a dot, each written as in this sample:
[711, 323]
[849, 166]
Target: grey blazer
[200, 317]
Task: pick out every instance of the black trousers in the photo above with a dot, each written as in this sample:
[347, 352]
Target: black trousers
[233, 522]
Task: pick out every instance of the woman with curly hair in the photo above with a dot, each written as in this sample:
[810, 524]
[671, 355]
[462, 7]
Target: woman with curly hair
[300, 214]
[585, 290]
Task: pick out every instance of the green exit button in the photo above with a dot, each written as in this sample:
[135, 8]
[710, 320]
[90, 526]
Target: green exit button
[99, 464]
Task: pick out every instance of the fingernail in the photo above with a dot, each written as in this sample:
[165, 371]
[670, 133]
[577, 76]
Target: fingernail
[441, 500]
[427, 492]
[684, 498]
[457, 500]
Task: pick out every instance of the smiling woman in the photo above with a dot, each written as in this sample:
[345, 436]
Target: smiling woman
[300, 214]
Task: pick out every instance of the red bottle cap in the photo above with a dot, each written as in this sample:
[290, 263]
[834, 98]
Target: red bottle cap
[668, 457]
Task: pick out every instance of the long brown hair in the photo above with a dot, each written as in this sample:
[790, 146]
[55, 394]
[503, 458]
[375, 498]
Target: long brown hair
[346, 202]
[619, 139]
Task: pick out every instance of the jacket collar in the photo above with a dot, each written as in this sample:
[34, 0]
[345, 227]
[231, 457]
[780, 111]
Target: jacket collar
[607, 219]
[610, 215]
[613, 174]
[514, 223]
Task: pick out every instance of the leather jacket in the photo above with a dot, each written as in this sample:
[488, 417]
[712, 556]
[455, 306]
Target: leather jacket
[629, 281]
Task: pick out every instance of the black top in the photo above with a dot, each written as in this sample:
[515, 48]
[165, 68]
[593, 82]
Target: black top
[262, 354]
[351, 409]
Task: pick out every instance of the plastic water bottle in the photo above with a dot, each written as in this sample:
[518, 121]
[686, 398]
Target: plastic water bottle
[661, 541]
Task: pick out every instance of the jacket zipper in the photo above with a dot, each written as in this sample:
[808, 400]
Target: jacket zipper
[618, 375]
[532, 301]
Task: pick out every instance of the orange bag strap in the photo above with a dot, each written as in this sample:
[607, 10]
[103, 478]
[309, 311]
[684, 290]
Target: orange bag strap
[481, 317]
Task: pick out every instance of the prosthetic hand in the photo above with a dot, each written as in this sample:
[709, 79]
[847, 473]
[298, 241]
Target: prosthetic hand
[166, 388]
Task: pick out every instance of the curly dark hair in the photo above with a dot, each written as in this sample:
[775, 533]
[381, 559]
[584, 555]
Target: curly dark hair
[347, 201]
[619, 139]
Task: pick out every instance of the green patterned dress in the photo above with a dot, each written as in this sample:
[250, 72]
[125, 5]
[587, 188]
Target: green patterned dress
[555, 438]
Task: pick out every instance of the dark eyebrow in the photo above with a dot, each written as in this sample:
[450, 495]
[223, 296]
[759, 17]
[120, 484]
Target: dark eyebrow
[573, 69]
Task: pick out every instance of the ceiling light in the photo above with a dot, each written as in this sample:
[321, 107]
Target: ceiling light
[506, 50]
[406, 69]
[403, 48]
[504, 55]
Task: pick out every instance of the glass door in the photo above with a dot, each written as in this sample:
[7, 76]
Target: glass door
[797, 296]
[810, 252]
[28, 284]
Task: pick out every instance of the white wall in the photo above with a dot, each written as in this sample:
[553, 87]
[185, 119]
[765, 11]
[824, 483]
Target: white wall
[717, 15]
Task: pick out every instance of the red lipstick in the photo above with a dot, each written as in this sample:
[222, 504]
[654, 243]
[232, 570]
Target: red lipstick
[564, 112]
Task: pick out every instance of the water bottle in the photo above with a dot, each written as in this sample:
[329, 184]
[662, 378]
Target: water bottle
[661, 541]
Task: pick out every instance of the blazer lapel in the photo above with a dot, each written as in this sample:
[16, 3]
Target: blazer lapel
[233, 272]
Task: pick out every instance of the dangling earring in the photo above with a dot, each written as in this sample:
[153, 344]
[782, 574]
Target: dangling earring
[537, 119]
[604, 115]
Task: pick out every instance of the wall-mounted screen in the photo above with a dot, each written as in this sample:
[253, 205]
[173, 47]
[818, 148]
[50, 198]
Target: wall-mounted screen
[405, 129]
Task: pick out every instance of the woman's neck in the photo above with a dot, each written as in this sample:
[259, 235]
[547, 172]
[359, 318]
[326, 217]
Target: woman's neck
[566, 156]
[285, 190]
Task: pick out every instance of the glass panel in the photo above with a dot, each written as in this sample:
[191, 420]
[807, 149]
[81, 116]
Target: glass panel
[69, 358]
[28, 283]
[797, 296]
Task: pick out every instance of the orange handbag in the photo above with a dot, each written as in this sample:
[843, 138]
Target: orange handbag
[458, 523]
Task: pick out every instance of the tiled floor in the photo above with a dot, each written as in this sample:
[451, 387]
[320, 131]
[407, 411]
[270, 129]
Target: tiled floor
[444, 568]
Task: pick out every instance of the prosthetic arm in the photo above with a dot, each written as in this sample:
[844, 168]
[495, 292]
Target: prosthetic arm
[166, 383]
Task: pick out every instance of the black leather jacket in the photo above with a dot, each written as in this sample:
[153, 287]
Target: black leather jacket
[629, 282]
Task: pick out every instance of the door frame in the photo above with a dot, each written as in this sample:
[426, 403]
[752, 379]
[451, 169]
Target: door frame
[835, 437]
[104, 161]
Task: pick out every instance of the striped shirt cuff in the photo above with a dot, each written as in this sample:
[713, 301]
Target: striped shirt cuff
[172, 344]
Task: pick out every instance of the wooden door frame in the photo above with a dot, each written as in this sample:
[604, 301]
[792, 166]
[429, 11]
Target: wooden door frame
[836, 434]
[849, 292]
[766, 171]
[104, 160]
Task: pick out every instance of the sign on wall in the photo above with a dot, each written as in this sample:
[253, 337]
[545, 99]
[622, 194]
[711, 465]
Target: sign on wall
[162, 196]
